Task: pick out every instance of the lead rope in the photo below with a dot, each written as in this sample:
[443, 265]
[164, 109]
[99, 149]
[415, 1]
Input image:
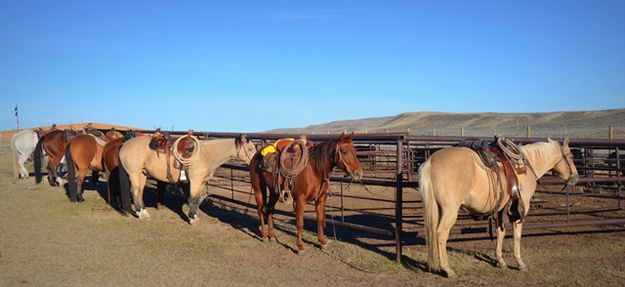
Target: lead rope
[186, 162]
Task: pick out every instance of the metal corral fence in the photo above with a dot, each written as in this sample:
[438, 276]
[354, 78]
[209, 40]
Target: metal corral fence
[391, 161]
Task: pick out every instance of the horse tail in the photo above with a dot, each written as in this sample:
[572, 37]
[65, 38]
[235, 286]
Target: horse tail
[71, 174]
[431, 215]
[38, 159]
[124, 188]
[16, 155]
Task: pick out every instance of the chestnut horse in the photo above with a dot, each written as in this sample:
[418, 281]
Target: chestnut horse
[137, 159]
[455, 176]
[53, 144]
[311, 184]
[83, 154]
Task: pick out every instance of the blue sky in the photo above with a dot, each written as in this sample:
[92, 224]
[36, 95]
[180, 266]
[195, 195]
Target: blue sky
[259, 65]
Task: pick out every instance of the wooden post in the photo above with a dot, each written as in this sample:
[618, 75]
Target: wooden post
[529, 131]
[610, 132]
[461, 132]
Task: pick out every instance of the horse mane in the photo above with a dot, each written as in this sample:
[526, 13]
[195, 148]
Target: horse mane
[322, 153]
[540, 149]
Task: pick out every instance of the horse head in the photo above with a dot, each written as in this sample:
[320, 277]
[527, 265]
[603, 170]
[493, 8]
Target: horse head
[565, 167]
[245, 149]
[346, 156]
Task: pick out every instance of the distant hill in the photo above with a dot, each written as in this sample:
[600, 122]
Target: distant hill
[5, 136]
[584, 124]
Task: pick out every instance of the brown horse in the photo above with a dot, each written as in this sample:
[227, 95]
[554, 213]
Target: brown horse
[84, 154]
[110, 161]
[454, 177]
[53, 144]
[311, 184]
[137, 160]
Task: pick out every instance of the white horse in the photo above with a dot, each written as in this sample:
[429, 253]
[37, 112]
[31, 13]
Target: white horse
[23, 144]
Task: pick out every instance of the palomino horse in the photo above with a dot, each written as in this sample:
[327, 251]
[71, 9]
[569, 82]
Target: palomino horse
[53, 143]
[311, 184]
[23, 144]
[136, 158]
[454, 177]
[84, 153]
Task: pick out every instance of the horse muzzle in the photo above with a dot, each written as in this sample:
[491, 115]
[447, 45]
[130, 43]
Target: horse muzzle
[357, 175]
[572, 181]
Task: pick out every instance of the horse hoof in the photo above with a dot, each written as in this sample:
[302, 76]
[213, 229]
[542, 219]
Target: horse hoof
[451, 274]
[143, 214]
[324, 245]
[502, 264]
[193, 221]
[522, 267]
[300, 251]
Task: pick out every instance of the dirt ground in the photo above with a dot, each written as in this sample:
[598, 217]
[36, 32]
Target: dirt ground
[45, 240]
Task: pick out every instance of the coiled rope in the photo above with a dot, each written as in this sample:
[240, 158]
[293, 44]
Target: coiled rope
[295, 166]
[511, 150]
[186, 161]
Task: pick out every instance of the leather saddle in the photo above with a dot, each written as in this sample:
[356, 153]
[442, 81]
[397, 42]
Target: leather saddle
[162, 142]
[495, 159]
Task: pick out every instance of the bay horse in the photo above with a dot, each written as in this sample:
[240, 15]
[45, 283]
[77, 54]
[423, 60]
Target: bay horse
[136, 157]
[83, 154]
[311, 184]
[454, 177]
[53, 144]
[110, 161]
[23, 144]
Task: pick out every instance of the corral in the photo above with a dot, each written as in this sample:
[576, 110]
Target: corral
[379, 220]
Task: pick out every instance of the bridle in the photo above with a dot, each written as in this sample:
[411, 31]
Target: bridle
[572, 180]
[341, 159]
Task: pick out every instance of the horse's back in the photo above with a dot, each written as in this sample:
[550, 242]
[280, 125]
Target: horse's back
[24, 141]
[457, 176]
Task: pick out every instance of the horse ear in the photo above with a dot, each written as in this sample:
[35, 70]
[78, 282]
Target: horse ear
[243, 138]
[350, 137]
[566, 141]
[549, 140]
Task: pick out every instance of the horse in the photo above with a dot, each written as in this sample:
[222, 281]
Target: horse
[312, 183]
[53, 144]
[23, 144]
[110, 162]
[136, 157]
[454, 177]
[82, 154]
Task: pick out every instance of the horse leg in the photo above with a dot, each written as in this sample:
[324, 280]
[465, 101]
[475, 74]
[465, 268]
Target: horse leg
[501, 234]
[320, 208]
[160, 190]
[447, 221]
[299, 214]
[137, 185]
[79, 180]
[271, 205]
[259, 196]
[517, 227]
[21, 160]
[195, 192]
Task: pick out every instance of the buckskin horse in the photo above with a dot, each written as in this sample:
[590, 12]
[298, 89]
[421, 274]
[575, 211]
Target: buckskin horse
[312, 183]
[136, 157]
[83, 154]
[455, 176]
[23, 144]
[53, 143]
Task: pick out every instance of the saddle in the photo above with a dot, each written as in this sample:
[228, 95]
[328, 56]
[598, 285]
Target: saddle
[285, 160]
[494, 158]
[162, 142]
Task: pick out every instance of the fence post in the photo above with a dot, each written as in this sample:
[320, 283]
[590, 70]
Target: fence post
[461, 132]
[610, 132]
[399, 201]
[529, 131]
